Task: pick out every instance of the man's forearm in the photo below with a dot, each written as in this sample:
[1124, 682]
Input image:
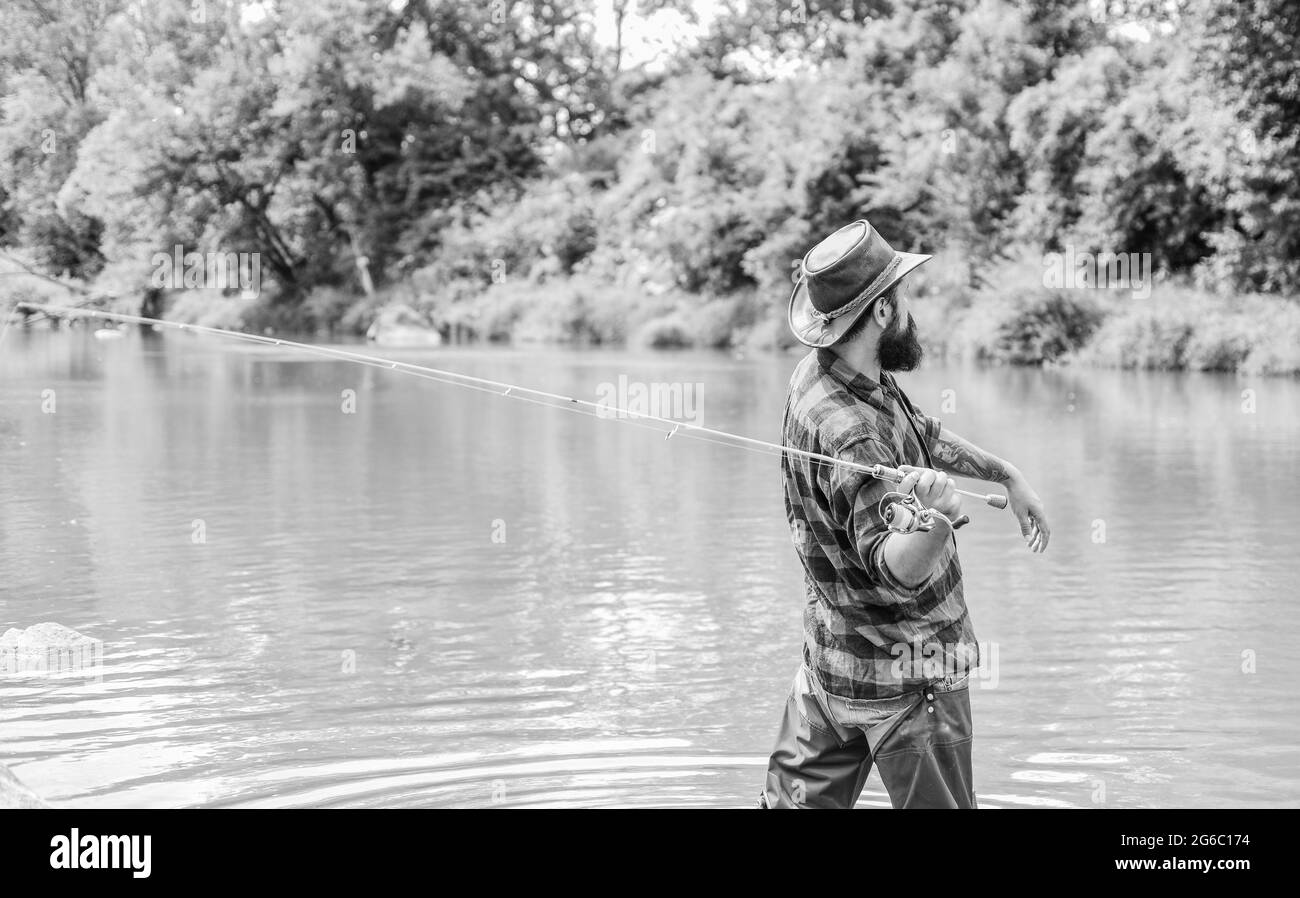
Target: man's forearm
[911, 557]
[954, 455]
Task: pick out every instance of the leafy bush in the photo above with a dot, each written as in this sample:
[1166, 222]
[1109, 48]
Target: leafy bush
[668, 332]
[324, 307]
[210, 308]
[547, 229]
[1277, 351]
[1026, 326]
[720, 324]
[1219, 342]
[1046, 327]
[358, 316]
[1183, 329]
[561, 310]
[771, 333]
[1140, 339]
[22, 288]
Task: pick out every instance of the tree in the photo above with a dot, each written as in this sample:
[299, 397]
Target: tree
[1247, 50]
[50, 53]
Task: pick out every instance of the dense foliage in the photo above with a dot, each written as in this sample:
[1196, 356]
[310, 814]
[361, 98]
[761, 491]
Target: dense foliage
[498, 167]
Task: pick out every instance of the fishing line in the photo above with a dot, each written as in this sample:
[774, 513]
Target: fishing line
[604, 411]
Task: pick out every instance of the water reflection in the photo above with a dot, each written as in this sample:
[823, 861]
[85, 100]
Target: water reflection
[305, 606]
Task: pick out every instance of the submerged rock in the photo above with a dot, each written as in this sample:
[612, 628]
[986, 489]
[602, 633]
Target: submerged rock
[400, 325]
[43, 635]
[13, 794]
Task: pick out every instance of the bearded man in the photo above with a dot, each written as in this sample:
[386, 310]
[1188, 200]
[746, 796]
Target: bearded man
[888, 643]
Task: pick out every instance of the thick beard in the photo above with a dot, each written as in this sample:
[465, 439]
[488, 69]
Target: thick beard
[899, 350]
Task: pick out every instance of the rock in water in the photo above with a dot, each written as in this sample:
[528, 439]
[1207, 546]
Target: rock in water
[400, 325]
[13, 794]
[42, 634]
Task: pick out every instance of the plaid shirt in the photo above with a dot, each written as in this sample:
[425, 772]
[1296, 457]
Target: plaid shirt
[866, 635]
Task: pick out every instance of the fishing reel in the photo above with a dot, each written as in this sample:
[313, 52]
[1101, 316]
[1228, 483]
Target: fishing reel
[904, 513]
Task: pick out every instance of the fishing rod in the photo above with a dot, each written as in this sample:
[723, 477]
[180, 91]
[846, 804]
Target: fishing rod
[904, 514]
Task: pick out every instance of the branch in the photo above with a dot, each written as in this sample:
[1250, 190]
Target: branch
[42, 275]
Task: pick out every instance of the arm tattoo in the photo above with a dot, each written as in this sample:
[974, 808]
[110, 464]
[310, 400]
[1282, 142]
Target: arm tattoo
[953, 455]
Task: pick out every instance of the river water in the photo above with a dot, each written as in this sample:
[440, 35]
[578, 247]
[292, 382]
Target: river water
[446, 598]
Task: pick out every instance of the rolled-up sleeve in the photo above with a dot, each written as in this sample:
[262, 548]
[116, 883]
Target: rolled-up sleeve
[930, 427]
[856, 500]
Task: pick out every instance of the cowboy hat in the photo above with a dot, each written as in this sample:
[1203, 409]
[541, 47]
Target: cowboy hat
[840, 278]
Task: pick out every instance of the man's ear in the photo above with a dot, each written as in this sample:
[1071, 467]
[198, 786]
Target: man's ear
[884, 311]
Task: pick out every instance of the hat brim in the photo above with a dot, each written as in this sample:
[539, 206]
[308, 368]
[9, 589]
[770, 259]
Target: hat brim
[812, 331]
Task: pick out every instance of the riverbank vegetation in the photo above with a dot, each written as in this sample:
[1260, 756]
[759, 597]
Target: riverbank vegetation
[513, 172]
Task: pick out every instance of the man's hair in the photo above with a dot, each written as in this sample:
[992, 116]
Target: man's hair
[890, 296]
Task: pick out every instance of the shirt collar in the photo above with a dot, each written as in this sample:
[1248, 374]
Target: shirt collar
[858, 383]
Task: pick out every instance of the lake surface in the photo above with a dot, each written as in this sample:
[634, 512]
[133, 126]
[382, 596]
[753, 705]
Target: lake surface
[448, 598]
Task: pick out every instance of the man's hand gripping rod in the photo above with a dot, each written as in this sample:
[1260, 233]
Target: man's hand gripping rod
[905, 514]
